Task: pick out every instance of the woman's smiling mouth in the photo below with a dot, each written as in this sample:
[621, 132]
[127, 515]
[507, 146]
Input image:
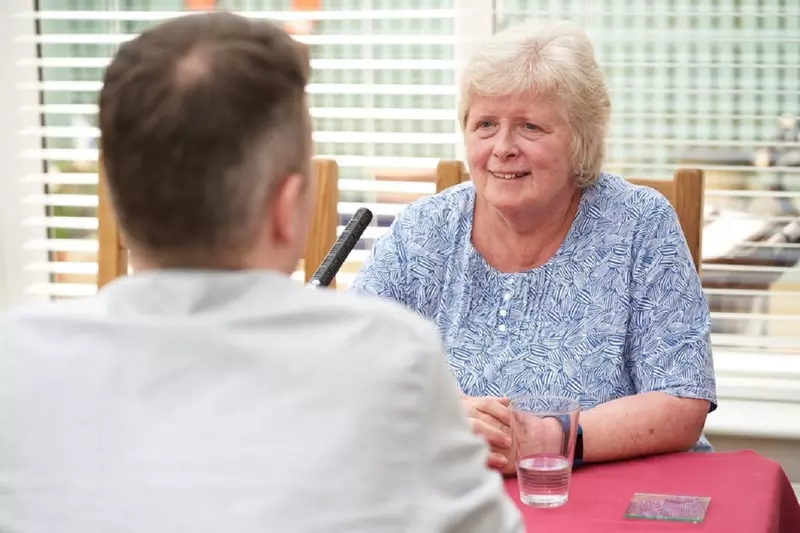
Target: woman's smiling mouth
[509, 175]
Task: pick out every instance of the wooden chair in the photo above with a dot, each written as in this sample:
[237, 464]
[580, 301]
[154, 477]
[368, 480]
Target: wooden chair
[449, 173]
[684, 191]
[324, 218]
[112, 256]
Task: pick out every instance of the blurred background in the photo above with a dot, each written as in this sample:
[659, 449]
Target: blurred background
[713, 84]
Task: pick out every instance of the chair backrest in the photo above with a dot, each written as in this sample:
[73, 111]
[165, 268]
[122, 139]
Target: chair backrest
[112, 256]
[325, 216]
[449, 173]
[684, 191]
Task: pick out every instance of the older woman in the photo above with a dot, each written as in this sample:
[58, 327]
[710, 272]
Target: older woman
[547, 275]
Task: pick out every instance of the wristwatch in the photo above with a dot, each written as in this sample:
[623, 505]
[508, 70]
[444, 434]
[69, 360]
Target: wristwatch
[578, 458]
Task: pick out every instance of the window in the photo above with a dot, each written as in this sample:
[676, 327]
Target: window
[712, 85]
[693, 82]
[382, 96]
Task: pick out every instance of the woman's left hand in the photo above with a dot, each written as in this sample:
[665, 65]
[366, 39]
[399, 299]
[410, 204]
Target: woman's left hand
[510, 466]
[489, 418]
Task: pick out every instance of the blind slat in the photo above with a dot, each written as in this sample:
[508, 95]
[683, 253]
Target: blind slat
[364, 185]
[425, 114]
[70, 132]
[421, 64]
[360, 39]
[316, 64]
[84, 155]
[82, 223]
[111, 15]
[447, 90]
[83, 268]
[313, 88]
[664, 9]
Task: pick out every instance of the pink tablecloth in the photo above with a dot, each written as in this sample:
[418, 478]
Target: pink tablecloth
[749, 494]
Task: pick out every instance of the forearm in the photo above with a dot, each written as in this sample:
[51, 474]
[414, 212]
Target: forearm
[642, 424]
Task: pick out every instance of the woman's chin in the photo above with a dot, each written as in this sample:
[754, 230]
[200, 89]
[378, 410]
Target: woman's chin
[510, 207]
[509, 198]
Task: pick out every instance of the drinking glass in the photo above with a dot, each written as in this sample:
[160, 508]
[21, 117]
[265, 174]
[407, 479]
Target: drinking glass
[544, 431]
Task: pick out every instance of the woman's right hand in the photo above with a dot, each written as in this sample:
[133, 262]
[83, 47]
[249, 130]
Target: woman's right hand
[490, 418]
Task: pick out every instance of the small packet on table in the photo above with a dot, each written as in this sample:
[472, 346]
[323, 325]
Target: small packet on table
[668, 507]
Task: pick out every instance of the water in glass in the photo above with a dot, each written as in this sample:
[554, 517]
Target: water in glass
[544, 479]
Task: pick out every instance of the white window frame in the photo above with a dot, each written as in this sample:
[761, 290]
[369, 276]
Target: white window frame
[474, 21]
[19, 161]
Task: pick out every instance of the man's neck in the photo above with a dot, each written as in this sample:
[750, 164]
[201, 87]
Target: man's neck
[280, 263]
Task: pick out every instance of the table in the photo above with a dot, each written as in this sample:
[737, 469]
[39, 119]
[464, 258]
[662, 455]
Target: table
[749, 494]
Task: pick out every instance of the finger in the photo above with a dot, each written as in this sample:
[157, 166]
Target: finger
[493, 436]
[508, 452]
[468, 403]
[494, 407]
[493, 422]
[509, 469]
[497, 460]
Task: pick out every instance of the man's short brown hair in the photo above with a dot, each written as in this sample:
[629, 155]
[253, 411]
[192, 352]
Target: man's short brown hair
[201, 118]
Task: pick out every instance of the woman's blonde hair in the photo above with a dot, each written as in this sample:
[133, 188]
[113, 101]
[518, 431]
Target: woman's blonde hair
[549, 60]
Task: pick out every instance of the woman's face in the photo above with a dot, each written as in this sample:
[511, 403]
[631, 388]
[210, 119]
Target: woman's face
[518, 153]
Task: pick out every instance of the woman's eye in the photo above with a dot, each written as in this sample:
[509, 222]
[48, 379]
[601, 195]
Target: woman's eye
[483, 124]
[530, 127]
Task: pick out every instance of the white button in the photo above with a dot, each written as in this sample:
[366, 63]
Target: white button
[507, 296]
[503, 312]
[501, 327]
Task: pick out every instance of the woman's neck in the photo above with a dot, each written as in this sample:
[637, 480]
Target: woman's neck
[520, 241]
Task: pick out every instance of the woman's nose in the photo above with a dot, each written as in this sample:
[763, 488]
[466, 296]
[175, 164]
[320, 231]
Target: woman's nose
[506, 146]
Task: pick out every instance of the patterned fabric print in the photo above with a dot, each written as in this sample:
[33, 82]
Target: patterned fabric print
[618, 310]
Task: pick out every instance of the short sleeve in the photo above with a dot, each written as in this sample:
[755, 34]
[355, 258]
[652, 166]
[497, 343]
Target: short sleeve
[668, 343]
[383, 273]
[408, 263]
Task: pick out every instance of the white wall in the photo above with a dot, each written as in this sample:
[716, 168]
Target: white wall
[18, 162]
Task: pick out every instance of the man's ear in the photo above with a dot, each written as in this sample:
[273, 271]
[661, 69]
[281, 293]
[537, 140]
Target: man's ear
[291, 203]
[304, 51]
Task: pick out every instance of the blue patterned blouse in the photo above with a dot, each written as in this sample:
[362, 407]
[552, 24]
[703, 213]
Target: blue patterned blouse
[618, 310]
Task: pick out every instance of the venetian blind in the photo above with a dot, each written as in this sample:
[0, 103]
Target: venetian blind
[713, 85]
[382, 97]
[695, 83]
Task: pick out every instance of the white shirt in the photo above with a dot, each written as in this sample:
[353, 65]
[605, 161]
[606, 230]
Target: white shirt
[235, 402]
